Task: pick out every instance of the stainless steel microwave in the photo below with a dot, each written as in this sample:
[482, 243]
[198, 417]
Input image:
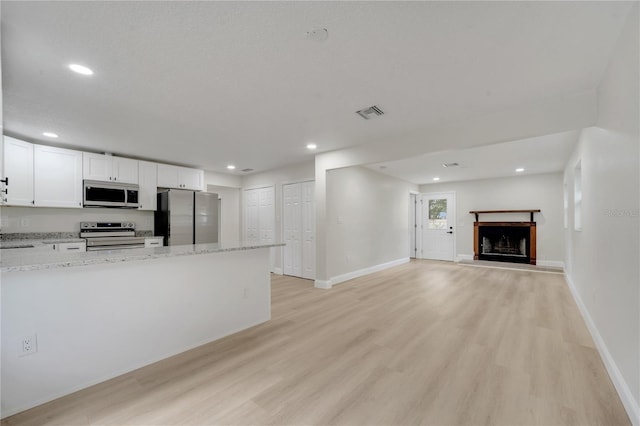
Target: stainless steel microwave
[107, 194]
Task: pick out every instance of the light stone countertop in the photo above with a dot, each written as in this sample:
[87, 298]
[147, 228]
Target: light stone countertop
[31, 259]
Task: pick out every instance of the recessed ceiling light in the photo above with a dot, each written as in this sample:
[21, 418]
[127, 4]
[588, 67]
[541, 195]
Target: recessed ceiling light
[80, 69]
[49, 135]
[311, 146]
[231, 167]
[436, 178]
[519, 170]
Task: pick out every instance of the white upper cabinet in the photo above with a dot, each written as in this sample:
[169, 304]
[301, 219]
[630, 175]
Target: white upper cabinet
[192, 178]
[180, 177]
[109, 168]
[168, 176]
[57, 177]
[18, 172]
[147, 179]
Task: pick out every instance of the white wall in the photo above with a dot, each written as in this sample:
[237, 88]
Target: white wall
[603, 258]
[367, 220]
[42, 219]
[295, 173]
[542, 192]
[222, 179]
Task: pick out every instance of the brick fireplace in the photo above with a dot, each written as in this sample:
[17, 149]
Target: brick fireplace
[505, 241]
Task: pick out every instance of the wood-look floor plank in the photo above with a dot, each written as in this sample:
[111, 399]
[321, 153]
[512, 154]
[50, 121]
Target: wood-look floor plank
[426, 343]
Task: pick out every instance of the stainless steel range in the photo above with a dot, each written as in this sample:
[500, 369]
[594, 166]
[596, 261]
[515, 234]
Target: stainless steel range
[110, 235]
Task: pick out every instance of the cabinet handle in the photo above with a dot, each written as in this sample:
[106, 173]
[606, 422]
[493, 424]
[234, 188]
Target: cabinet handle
[5, 180]
[6, 191]
[73, 248]
[115, 178]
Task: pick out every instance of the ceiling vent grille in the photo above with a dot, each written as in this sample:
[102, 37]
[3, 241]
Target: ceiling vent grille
[247, 170]
[370, 112]
[450, 164]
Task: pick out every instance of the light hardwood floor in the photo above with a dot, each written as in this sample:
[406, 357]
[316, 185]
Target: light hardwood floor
[423, 343]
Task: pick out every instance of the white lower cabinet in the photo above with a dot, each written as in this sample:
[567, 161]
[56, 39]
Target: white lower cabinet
[70, 247]
[57, 177]
[153, 242]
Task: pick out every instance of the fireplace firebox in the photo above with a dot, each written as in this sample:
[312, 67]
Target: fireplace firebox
[505, 241]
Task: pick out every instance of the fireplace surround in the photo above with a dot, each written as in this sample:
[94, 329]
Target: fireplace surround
[505, 241]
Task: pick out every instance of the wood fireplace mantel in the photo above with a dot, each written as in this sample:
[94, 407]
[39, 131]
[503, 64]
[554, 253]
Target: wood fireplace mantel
[530, 224]
[477, 212]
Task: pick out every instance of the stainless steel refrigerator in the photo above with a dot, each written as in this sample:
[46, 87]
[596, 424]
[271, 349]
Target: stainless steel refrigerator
[187, 217]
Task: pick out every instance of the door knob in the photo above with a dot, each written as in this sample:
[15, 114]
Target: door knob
[449, 232]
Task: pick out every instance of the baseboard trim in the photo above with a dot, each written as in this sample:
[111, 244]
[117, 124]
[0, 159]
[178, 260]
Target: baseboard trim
[551, 263]
[323, 284]
[462, 257]
[631, 406]
[277, 271]
[359, 273]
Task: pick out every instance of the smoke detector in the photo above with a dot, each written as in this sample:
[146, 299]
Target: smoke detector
[319, 34]
[370, 112]
[450, 164]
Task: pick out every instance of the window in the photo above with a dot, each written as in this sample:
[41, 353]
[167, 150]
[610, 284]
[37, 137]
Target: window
[577, 196]
[438, 214]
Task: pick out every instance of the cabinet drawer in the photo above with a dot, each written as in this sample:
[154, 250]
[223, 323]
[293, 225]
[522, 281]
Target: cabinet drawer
[70, 247]
[153, 242]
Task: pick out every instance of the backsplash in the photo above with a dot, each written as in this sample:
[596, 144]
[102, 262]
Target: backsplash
[17, 220]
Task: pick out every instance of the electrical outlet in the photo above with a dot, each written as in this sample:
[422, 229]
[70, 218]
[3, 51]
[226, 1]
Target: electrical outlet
[28, 345]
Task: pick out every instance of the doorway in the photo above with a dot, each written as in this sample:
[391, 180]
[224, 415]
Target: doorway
[437, 226]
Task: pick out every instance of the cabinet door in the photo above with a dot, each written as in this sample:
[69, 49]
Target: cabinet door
[125, 170]
[57, 177]
[18, 168]
[96, 166]
[168, 176]
[191, 179]
[147, 179]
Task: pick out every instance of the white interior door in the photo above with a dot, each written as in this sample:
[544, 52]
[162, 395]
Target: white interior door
[251, 231]
[413, 226]
[266, 215]
[438, 220]
[308, 230]
[299, 229]
[292, 229]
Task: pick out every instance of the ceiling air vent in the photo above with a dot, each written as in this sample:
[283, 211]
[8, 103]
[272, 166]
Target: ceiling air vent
[450, 164]
[247, 170]
[370, 112]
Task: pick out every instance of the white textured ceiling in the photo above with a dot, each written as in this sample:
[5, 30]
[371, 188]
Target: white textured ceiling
[544, 154]
[211, 83]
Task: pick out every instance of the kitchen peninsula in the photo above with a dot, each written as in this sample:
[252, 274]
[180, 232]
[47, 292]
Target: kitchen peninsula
[96, 315]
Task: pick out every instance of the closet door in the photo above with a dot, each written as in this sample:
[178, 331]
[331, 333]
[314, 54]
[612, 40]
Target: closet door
[251, 210]
[292, 229]
[299, 229]
[266, 214]
[308, 212]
